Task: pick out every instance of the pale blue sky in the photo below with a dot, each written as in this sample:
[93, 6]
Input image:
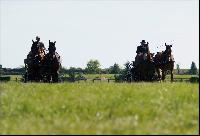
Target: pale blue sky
[109, 31]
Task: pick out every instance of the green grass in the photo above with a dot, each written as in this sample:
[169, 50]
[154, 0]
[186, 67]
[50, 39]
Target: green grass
[91, 76]
[99, 108]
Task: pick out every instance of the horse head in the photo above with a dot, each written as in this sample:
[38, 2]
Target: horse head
[168, 49]
[34, 47]
[53, 55]
[53, 61]
[168, 52]
[52, 47]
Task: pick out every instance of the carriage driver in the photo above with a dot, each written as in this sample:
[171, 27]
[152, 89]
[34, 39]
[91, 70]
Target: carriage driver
[40, 44]
[145, 46]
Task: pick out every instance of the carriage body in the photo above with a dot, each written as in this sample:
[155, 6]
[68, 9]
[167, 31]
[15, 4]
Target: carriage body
[35, 70]
[143, 70]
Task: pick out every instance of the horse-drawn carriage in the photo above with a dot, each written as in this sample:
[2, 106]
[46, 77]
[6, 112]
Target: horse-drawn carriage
[148, 67]
[41, 66]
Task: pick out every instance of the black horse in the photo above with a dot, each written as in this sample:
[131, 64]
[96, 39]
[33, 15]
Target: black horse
[31, 64]
[34, 63]
[53, 63]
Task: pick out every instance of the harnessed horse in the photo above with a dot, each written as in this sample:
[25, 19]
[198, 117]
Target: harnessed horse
[53, 63]
[34, 63]
[164, 62]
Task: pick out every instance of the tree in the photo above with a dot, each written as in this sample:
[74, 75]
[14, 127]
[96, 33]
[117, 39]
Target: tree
[127, 66]
[93, 67]
[72, 74]
[105, 71]
[63, 70]
[178, 68]
[115, 69]
[193, 69]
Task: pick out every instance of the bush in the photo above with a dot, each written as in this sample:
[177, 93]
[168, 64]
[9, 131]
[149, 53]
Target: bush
[5, 78]
[119, 77]
[194, 79]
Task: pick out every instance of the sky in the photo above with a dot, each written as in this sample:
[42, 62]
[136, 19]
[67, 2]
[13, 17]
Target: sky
[106, 30]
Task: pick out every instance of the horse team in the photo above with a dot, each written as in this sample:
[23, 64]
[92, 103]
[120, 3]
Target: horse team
[148, 67]
[44, 67]
[41, 66]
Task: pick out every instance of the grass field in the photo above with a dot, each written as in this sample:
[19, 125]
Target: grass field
[99, 108]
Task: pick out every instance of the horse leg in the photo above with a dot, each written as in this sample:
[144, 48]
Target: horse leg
[49, 75]
[37, 78]
[163, 75]
[130, 80]
[55, 77]
[29, 77]
[160, 73]
[172, 76]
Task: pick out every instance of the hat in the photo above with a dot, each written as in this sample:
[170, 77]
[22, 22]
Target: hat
[37, 37]
[143, 41]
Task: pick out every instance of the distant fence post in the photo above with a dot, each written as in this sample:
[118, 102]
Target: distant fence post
[110, 79]
[181, 79]
[96, 79]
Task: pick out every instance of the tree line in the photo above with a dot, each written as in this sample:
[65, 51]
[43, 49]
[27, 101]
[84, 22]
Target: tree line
[93, 67]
